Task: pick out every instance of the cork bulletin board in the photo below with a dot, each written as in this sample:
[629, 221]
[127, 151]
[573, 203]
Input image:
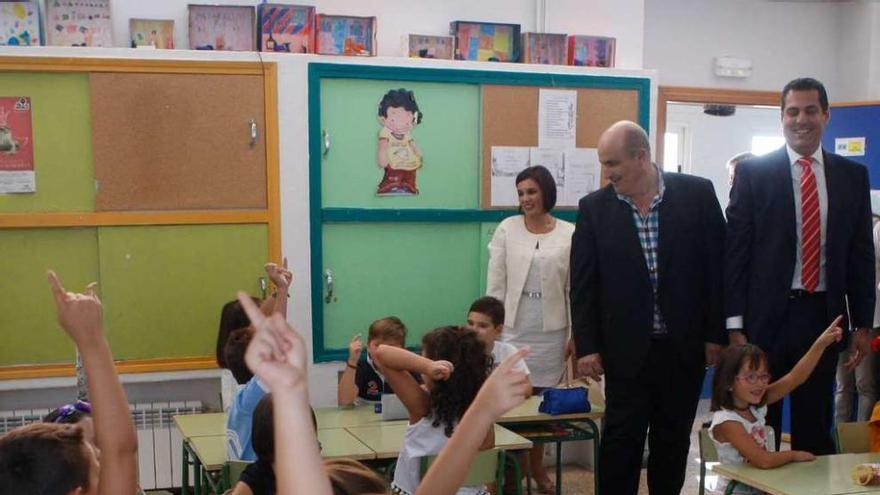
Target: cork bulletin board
[510, 118]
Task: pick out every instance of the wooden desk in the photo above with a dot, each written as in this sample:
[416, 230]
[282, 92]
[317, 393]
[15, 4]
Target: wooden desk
[385, 440]
[340, 443]
[343, 417]
[827, 475]
[200, 425]
[543, 428]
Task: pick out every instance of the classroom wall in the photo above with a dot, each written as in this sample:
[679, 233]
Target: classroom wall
[682, 37]
[398, 18]
[856, 38]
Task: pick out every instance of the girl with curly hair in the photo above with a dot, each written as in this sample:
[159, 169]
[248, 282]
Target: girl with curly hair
[454, 364]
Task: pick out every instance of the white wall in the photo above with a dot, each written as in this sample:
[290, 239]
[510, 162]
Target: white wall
[621, 19]
[711, 141]
[397, 18]
[783, 39]
[854, 28]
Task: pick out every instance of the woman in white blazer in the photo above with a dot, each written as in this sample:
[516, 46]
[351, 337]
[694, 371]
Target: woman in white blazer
[528, 271]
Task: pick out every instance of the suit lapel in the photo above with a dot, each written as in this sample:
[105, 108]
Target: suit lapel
[623, 223]
[668, 217]
[832, 180]
[783, 187]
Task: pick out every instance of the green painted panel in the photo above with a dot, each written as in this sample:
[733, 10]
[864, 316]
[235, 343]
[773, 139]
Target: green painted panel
[426, 274]
[163, 286]
[27, 311]
[62, 133]
[448, 137]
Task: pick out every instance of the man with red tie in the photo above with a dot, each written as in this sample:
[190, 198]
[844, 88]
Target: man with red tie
[799, 253]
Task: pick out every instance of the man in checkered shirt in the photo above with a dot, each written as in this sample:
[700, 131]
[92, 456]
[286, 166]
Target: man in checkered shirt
[646, 285]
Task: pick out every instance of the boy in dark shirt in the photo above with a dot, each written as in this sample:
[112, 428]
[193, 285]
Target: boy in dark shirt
[361, 380]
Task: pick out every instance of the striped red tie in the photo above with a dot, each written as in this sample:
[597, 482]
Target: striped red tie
[810, 227]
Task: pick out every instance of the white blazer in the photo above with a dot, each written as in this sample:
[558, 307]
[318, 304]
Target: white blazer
[510, 256]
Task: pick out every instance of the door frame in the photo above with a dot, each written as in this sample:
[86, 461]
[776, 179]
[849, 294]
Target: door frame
[665, 94]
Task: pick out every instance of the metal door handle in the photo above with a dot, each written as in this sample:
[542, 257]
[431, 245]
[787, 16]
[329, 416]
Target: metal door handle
[325, 142]
[253, 127]
[328, 280]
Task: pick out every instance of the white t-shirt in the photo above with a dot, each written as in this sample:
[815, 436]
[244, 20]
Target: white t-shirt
[727, 453]
[422, 439]
[501, 351]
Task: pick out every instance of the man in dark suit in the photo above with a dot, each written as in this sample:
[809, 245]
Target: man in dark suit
[799, 246]
[646, 268]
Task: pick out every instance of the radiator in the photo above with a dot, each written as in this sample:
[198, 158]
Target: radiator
[159, 442]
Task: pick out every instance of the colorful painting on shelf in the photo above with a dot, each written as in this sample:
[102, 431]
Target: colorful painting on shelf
[591, 51]
[425, 46]
[346, 35]
[19, 24]
[544, 48]
[222, 27]
[486, 41]
[287, 28]
[79, 23]
[151, 32]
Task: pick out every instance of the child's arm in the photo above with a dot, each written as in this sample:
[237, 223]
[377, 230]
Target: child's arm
[282, 278]
[347, 392]
[502, 391]
[382, 154]
[734, 433]
[277, 355]
[397, 363]
[805, 366]
[80, 316]
[242, 489]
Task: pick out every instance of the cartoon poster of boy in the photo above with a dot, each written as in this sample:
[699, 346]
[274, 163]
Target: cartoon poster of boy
[397, 153]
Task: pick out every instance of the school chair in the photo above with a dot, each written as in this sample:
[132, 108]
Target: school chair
[486, 468]
[232, 472]
[853, 437]
[709, 455]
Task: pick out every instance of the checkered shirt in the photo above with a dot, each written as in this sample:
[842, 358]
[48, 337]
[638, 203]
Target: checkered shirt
[648, 227]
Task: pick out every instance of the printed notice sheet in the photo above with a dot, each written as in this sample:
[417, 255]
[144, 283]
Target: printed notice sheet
[557, 118]
[507, 161]
[16, 146]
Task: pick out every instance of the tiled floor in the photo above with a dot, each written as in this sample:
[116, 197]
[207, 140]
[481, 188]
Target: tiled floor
[579, 481]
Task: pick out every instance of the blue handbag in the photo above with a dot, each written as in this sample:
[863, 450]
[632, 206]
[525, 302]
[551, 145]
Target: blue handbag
[564, 401]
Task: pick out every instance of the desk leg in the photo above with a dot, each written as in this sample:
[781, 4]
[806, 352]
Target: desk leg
[595, 429]
[197, 486]
[558, 468]
[184, 475]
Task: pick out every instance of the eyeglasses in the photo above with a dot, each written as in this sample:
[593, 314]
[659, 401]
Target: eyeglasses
[753, 378]
[68, 410]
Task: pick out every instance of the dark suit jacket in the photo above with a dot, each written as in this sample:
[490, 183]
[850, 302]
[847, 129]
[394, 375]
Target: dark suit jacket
[762, 243]
[611, 295]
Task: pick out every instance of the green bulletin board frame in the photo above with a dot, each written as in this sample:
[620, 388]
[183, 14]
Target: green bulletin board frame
[319, 215]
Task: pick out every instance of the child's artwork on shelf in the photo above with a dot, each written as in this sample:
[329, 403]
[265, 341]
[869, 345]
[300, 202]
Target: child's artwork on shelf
[591, 51]
[19, 24]
[544, 48]
[222, 27]
[485, 41]
[151, 32]
[425, 46]
[286, 28]
[346, 35]
[79, 23]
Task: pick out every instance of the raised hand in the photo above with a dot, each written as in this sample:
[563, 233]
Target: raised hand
[279, 275]
[276, 354]
[78, 314]
[833, 333]
[506, 387]
[354, 350]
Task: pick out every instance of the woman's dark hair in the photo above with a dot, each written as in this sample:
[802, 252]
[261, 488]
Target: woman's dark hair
[729, 364]
[232, 317]
[43, 458]
[467, 353]
[350, 477]
[400, 98]
[546, 184]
